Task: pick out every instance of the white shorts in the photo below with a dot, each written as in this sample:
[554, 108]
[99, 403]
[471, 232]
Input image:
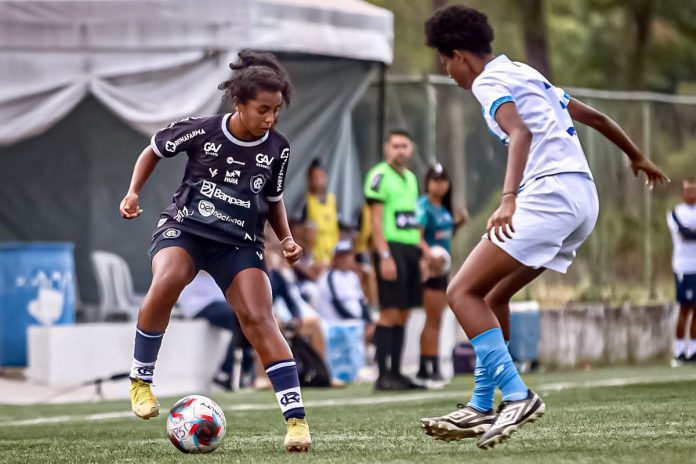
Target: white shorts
[554, 216]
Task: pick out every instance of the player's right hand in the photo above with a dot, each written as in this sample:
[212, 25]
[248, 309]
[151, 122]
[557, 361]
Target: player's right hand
[387, 268]
[129, 207]
[652, 172]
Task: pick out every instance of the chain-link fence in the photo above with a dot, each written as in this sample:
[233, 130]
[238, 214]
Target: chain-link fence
[628, 256]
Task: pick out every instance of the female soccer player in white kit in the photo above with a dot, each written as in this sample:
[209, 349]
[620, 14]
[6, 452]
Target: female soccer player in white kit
[548, 208]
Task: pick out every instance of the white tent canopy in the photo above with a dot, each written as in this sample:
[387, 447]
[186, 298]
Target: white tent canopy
[150, 62]
[136, 56]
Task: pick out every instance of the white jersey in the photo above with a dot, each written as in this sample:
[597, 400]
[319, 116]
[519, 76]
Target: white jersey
[198, 294]
[555, 146]
[684, 251]
[348, 291]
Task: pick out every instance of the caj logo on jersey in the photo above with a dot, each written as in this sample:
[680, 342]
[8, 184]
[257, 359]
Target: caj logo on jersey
[232, 177]
[257, 183]
[211, 190]
[264, 161]
[212, 149]
[171, 146]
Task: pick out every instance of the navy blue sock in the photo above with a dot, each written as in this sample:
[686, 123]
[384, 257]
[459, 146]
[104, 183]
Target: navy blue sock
[147, 346]
[286, 385]
[496, 359]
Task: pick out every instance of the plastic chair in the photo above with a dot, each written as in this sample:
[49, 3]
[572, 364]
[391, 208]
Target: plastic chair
[118, 300]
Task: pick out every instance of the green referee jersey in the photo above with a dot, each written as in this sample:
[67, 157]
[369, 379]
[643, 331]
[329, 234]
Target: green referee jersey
[399, 194]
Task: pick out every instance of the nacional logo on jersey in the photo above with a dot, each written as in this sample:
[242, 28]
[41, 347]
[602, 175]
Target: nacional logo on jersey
[211, 190]
[264, 161]
[257, 182]
[208, 209]
[232, 177]
[171, 146]
[212, 149]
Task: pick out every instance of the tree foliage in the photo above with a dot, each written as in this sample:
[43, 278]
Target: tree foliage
[611, 44]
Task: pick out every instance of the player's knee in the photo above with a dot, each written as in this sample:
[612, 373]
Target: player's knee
[256, 320]
[171, 279]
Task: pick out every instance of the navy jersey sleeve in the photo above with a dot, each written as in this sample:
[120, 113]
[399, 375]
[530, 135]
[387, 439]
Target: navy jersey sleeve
[176, 137]
[274, 189]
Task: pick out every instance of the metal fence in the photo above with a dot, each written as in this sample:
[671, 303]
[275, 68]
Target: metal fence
[628, 256]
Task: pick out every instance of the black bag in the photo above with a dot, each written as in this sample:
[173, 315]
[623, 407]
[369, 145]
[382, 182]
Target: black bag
[312, 370]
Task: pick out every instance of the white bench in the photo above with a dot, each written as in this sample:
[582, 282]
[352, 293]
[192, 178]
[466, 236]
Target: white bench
[64, 356]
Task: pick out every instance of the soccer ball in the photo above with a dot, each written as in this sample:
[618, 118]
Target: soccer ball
[440, 252]
[196, 424]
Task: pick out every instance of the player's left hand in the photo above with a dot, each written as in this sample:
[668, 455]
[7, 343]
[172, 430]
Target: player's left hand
[501, 220]
[292, 252]
[652, 172]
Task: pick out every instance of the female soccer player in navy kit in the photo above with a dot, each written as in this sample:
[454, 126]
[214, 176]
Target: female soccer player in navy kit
[233, 184]
[548, 208]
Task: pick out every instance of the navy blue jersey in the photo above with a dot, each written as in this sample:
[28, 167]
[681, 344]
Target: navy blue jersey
[228, 183]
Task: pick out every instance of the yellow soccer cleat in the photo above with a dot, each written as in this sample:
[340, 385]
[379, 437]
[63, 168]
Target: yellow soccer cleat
[143, 402]
[298, 438]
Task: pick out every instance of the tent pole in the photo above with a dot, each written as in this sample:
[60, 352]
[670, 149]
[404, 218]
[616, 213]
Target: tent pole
[382, 107]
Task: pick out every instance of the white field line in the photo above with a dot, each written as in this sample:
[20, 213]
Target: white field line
[368, 401]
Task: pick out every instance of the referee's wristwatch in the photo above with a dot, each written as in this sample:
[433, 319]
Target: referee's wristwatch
[385, 254]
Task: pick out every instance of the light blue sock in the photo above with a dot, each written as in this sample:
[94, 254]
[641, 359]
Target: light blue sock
[482, 397]
[484, 389]
[495, 358]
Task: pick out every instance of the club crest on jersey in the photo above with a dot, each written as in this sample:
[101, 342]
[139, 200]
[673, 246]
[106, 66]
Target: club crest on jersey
[264, 161]
[171, 233]
[212, 149]
[257, 182]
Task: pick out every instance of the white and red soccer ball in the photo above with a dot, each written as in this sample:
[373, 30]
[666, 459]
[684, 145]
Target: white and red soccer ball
[196, 424]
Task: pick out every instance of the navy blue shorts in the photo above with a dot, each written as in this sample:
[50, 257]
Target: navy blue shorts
[686, 289]
[221, 260]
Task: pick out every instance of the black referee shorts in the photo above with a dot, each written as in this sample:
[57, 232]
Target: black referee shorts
[221, 260]
[406, 291]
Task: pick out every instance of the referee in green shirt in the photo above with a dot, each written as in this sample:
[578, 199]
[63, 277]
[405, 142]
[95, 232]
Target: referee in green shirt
[392, 192]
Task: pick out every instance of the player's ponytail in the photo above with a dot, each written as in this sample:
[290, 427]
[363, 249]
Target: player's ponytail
[254, 72]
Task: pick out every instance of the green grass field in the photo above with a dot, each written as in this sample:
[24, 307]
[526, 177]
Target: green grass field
[627, 415]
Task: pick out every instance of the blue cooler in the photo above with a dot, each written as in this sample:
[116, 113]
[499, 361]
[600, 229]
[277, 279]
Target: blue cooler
[346, 349]
[524, 331]
[37, 287]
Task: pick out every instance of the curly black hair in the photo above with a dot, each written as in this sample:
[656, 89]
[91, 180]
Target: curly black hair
[254, 72]
[457, 27]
